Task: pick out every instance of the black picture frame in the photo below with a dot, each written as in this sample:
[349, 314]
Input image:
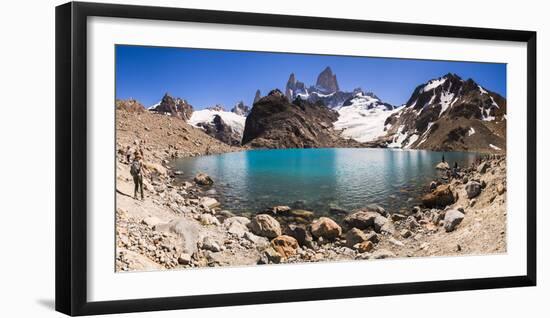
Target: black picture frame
[71, 157]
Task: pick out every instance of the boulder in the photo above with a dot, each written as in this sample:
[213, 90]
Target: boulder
[442, 166]
[379, 222]
[151, 221]
[187, 230]
[208, 219]
[405, 233]
[364, 247]
[398, 217]
[440, 197]
[285, 245]
[300, 233]
[236, 225]
[388, 228]
[452, 219]
[501, 188]
[280, 209]
[482, 168]
[381, 254]
[355, 236]
[203, 179]
[184, 259]
[209, 202]
[411, 223]
[326, 228]
[265, 225]
[210, 244]
[299, 213]
[376, 208]
[361, 219]
[270, 255]
[473, 189]
[373, 237]
[433, 185]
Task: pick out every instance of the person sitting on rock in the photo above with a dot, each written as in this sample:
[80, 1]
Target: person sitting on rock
[136, 170]
[443, 158]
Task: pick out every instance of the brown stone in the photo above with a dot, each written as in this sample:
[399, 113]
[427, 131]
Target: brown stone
[285, 245]
[440, 197]
[326, 228]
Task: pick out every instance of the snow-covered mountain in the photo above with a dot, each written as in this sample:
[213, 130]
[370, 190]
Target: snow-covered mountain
[326, 90]
[449, 113]
[362, 117]
[220, 124]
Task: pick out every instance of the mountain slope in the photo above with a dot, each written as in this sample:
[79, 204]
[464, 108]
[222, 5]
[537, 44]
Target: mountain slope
[449, 113]
[362, 117]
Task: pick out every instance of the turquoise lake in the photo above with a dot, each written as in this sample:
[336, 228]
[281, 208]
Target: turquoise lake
[250, 181]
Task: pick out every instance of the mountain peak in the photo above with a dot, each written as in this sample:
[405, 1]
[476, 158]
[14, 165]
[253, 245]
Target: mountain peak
[327, 82]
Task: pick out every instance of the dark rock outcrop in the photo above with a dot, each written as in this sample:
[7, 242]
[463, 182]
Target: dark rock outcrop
[257, 96]
[274, 122]
[175, 106]
[326, 81]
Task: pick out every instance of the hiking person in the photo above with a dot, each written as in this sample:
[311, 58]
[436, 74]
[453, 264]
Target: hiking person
[136, 170]
[128, 154]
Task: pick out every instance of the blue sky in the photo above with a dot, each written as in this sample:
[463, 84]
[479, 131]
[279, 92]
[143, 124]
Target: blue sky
[208, 77]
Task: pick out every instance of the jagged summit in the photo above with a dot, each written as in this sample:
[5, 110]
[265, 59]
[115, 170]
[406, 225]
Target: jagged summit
[327, 82]
[174, 106]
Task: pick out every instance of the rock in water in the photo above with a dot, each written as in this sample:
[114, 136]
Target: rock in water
[376, 208]
[203, 179]
[285, 245]
[326, 228]
[440, 197]
[452, 219]
[442, 166]
[265, 225]
[209, 202]
[473, 189]
[355, 236]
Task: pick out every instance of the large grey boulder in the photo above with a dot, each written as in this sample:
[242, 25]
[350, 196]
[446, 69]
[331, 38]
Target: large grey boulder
[188, 231]
[473, 189]
[452, 219]
[265, 225]
[361, 219]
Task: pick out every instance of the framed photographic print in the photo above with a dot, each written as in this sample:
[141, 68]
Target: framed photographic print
[209, 158]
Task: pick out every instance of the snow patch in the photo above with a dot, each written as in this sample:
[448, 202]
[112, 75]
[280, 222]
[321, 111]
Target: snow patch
[236, 122]
[494, 147]
[434, 84]
[471, 131]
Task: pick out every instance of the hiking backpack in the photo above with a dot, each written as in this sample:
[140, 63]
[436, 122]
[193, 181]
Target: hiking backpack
[135, 168]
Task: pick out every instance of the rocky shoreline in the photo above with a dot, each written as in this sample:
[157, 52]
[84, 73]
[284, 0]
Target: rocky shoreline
[179, 226]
